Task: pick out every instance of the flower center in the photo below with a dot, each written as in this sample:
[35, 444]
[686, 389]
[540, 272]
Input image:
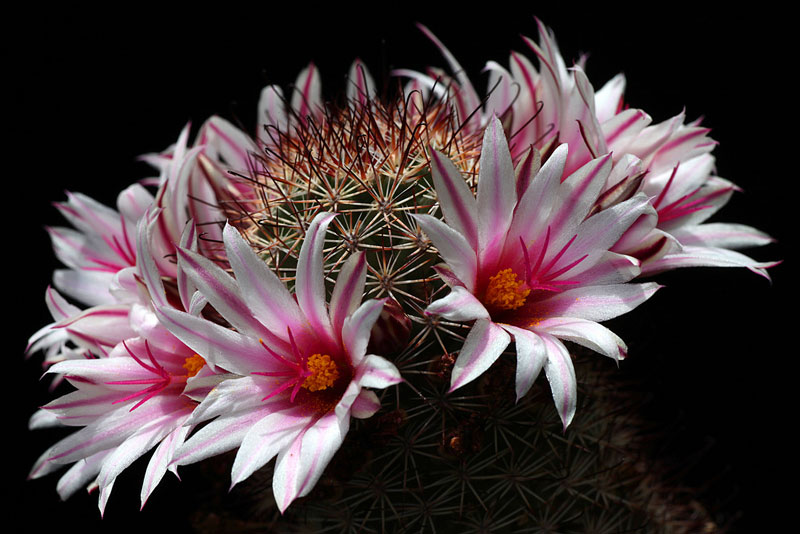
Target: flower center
[193, 364]
[505, 292]
[323, 372]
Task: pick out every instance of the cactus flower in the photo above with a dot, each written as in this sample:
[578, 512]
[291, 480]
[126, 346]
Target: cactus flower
[670, 161]
[297, 366]
[532, 264]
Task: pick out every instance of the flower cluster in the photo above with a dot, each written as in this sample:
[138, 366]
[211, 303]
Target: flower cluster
[267, 290]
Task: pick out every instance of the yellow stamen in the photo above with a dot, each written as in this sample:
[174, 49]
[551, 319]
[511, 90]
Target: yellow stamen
[323, 372]
[505, 292]
[193, 364]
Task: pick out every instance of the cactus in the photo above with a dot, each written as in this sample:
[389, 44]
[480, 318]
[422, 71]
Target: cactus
[434, 458]
[474, 460]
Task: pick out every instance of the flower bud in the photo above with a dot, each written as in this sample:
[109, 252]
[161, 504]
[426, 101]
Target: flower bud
[391, 331]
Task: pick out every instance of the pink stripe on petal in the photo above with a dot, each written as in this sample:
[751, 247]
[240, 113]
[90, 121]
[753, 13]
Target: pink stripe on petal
[377, 372]
[458, 305]
[221, 291]
[484, 344]
[455, 198]
[561, 375]
[497, 192]
[348, 290]
[453, 248]
[310, 282]
[221, 435]
[357, 327]
[266, 296]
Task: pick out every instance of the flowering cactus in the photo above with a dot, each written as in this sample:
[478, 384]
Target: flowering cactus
[367, 293]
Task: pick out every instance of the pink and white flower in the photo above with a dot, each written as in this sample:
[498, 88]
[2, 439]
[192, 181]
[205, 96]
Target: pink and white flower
[134, 398]
[533, 264]
[669, 161]
[298, 368]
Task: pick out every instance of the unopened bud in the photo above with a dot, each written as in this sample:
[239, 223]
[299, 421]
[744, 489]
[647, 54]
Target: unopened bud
[391, 331]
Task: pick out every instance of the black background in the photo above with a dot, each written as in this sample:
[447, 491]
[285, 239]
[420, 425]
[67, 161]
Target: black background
[88, 91]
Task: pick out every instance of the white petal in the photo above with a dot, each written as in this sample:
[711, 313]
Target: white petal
[266, 296]
[453, 248]
[587, 333]
[458, 305]
[266, 439]
[300, 466]
[484, 344]
[531, 357]
[561, 376]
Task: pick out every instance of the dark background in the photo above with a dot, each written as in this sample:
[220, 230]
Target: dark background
[89, 91]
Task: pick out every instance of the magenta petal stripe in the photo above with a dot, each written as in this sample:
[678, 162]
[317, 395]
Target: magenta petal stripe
[458, 206]
[221, 291]
[356, 328]
[310, 284]
[497, 195]
[266, 296]
[458, 305]
[348, 290]
[561, 376]
[453, 248]
[485, 343]
[531, 357]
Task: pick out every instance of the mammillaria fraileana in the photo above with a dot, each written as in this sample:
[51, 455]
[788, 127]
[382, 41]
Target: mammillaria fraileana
[374, 163]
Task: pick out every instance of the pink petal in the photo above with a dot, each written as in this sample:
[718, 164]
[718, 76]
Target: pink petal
[160, 460]
[377, 372]
[310, 283]
[691, 256]
[586, 333]
[218, 345]
[266, 296]
[458, 205]
[576, 197]
[561, 376]
[271, 114]
[110, 430]
[361, 86]
[722, 235]
[453, 248]
[80, 475]
[598, 303]
[533, 209]
[266, 439]
[357, 327]
[220, 435]
[222, 292]
[300, 466]
[132, 449]
[348, 290]
[365, 405]
[600, 232]
[484, 344]
[501, 91]
[458, 305]
[531, 357]
[497, 194]
[225, 142]
[307, 96]
[608, 98]
[88, 287]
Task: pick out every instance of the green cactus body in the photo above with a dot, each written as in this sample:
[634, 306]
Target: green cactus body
[474, 460]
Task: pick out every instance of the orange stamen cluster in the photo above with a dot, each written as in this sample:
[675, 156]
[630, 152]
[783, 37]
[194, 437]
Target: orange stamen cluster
[193, 364]
[324, 372]
[505, 292]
